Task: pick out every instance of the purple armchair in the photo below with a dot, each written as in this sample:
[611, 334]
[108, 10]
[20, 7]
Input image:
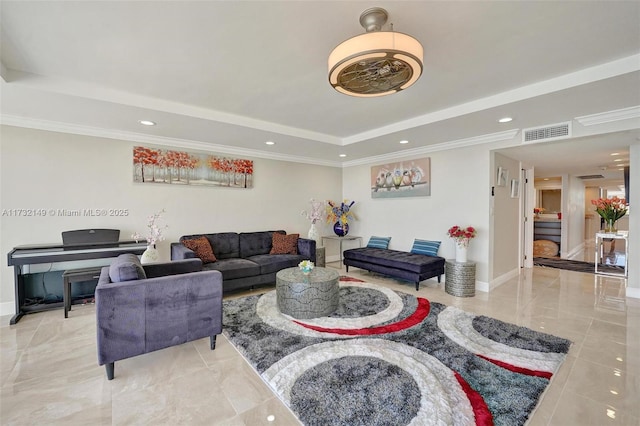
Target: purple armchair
[140, 309]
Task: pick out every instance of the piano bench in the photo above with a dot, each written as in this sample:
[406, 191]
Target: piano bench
[76, 275]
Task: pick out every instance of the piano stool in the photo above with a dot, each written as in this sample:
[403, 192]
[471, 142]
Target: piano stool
[76, 275]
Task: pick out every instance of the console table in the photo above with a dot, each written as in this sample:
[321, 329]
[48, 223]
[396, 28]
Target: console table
[341, 240]
[21, 256]
[600, 238]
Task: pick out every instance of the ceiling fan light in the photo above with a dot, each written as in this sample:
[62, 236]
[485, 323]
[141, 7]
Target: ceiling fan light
[377, 63]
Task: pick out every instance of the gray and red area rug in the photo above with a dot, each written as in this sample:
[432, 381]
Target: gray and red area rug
[391, 358]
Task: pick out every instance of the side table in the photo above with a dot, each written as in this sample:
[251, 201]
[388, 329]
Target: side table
[320, 256]
[460, 278]
[76, 275]
[308, 296]
[340, 241]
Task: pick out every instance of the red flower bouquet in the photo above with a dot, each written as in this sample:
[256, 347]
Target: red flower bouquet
[462, 235]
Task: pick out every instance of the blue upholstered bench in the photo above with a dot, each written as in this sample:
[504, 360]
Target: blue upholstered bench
[395, 263]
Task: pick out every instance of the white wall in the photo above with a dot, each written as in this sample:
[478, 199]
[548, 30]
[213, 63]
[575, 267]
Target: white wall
[48, 170]
[460, 194]
[573, 194]
[505, 221]
[633, 282]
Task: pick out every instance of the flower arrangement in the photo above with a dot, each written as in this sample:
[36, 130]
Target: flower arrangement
[155, 231]
[462, 235]
[538, 210]
[315, 213]
[610, 209]
[306, 266]
[341, 212]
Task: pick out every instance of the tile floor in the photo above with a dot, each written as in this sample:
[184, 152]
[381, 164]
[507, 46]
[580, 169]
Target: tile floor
[49, 373]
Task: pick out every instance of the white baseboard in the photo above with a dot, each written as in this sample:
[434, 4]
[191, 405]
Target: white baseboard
[497, 282]
[482, 286]
[576, 251]
[633, 292]
[7, 308]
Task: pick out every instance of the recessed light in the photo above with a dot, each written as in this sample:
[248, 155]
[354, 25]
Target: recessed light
[505, 120]
[270, 143]
[147, 122]
[546, 179]
[404, 142]
[615, 153]
[621, 169]
[618, 159]
[342, 155]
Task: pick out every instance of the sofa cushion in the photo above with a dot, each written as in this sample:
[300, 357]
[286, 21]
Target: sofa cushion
[202, 248]
[225, 245]
[284, 244]
[417, 263]
[272, 263]
[379, 242]
[234, 268]
[126, 267]
[430, 248]
[254, 243]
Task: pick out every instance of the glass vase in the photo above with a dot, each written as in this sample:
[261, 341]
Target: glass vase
[610, 226]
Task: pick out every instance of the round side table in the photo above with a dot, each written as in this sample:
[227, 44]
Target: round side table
[308, 296]
[460, 278]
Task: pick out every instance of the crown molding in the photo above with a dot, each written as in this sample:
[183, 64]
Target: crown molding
[85, 90]
[54, 126]
[567, 81]
[610, 116]
[444, 146]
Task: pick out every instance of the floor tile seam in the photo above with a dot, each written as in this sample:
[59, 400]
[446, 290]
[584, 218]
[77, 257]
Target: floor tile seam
[628, 375]
[62, 344]
[596, 402]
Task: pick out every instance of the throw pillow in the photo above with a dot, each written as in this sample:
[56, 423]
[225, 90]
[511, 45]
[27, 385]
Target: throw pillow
[430, 248]
[126, 267]
[284, 244]
[202, 248]
[379, 242]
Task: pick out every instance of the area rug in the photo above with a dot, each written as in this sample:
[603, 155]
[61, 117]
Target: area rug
[576, 265]
[391, 358]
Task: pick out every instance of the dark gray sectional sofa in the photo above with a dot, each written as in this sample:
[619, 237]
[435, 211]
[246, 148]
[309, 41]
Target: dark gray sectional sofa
[244, 259]
[395, 263]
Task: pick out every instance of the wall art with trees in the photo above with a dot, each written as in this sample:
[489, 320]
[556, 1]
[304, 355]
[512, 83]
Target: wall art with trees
[168, 166]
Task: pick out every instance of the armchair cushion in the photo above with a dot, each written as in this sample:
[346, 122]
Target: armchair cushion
[126, 267]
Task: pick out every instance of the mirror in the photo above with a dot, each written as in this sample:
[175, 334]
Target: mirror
[550, 200]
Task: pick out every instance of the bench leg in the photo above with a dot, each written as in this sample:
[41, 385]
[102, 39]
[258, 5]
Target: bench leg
[417, 285]
[439, 278]
[212, 342]
[346, 268]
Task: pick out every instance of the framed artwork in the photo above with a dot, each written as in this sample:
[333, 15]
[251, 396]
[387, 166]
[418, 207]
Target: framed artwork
[167, 166]
[411, 178]
[503, 176]
[515, 188]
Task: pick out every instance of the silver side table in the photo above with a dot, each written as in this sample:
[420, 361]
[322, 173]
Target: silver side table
[460, 278]
[308, 296]
[320, 256]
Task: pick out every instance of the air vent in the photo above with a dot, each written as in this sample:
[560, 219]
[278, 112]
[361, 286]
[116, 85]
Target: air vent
[547, 133]
[591, 177]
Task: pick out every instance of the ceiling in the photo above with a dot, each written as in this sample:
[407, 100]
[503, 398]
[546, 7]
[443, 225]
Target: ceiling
[234, 74]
